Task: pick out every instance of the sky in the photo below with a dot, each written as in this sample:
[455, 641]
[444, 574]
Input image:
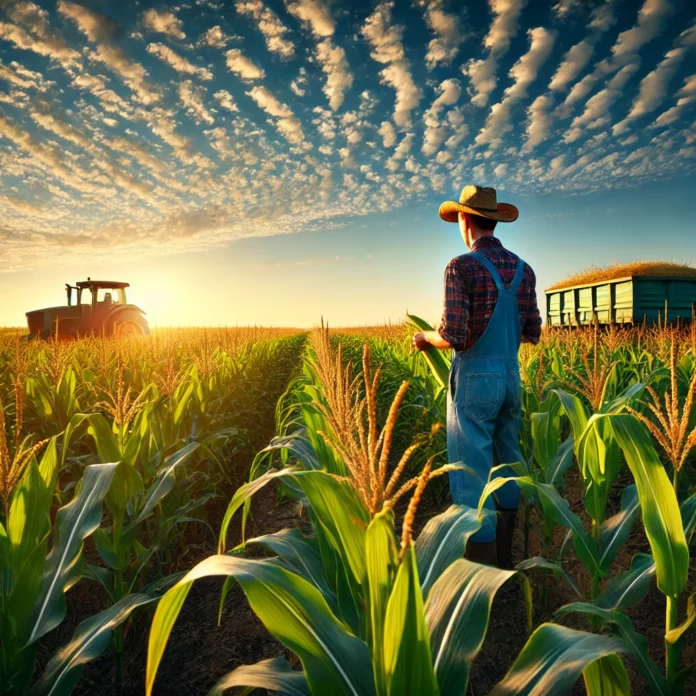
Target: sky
[271, 162]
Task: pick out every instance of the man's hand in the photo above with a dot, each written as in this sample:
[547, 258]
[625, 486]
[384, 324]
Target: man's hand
[419, 341]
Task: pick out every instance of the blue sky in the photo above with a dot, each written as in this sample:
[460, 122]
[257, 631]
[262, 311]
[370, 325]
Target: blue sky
[270, 161]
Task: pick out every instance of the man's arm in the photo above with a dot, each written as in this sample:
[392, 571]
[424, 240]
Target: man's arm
[454, 327]
[532, 326]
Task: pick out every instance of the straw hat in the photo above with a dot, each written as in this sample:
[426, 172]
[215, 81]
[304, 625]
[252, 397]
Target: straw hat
[478, 200]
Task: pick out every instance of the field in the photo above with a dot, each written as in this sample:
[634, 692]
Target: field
[201, 511]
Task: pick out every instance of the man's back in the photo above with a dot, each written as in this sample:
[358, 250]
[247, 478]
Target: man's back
[471, 295]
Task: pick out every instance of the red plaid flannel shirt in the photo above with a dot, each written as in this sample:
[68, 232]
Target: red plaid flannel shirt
[471, 295]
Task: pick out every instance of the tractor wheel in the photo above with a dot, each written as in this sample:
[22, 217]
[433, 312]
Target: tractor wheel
[131, 326]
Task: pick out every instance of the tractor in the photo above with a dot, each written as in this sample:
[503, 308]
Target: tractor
[106, 313]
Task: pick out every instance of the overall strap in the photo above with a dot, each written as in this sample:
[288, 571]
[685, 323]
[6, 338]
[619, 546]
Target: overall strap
[517, 280]
[490, 268]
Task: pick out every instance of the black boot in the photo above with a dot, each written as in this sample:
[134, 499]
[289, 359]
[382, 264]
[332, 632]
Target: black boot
[503, 538]
[484, 553]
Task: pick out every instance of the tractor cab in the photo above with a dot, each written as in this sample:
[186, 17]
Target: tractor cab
[94, 307]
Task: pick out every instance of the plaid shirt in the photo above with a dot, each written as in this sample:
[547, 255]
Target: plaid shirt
[471, 295]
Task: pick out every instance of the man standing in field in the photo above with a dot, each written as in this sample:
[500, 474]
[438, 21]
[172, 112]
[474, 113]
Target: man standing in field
[490, 307]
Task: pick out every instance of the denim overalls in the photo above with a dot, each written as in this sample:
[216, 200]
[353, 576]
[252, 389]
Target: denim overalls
[484, 411]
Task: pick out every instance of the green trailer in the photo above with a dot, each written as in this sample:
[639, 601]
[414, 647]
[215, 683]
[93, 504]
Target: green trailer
[628, 300]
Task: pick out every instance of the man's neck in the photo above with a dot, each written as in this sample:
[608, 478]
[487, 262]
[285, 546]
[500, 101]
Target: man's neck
[485, 240]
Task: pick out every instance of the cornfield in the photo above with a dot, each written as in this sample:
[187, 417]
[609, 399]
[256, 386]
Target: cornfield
[205, 511]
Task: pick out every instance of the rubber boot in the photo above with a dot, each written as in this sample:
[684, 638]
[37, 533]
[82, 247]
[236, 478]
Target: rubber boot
[484, 553]
[503, 538]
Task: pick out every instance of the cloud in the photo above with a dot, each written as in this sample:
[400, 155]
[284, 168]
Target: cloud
[163, 22]
[653, 87]
[18, 76]
[192, 97]
[523, 72]
[448, 33]
[386, 130]
[339, 79]
[214, 37]
[539, 122]
[50, 120]
[46, 155]
[163, 125]
[436, 131]
[21, 206]
[286, 121]
[101, 30]
[179, 63]
[597, 107]
[481, 72]
[242, 66]
[275, 33]
[385, 41]
[566, 7]
[650, 21]
[573, 63]
[299, 84]
[316, 13]
[22, 39]
[34, 33]
[687, 97]
[226, 100]
[625, 50]
[138, 153]
[603, 17]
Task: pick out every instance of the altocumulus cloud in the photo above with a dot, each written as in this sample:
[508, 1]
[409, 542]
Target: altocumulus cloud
[170, 128]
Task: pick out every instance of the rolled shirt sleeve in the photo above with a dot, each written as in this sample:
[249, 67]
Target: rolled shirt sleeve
[454, 327]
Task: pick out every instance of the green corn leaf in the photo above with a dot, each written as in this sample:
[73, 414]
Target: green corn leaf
[241, 495]
[615, 531]
[575, 410]
[600, 459]
[553, 659]
[274, 675]
[659, 506]
[607, 677]
[676, 634]
[557, 570]
[28, 520]
[382, 559]
[91, 638]
[556, 508]
[630, 587]
[688, 513]
[293, 611]
[433, 356]
[126, 485]
[182, 403]
[74, 522]
[407, 657]
[560, 463]
[164, 482]
[636, 644]
[442, 541]
[104, 438]
[298, 555]
[342, 516]
[546, 433]
[457, 614]
[105, 548]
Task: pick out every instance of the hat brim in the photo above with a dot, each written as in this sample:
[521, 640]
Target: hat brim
[449, 212]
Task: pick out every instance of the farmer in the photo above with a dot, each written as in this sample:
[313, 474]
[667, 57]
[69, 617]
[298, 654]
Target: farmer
[490, 306]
